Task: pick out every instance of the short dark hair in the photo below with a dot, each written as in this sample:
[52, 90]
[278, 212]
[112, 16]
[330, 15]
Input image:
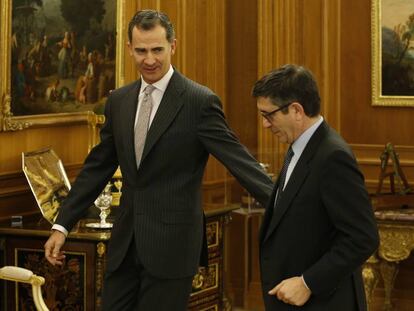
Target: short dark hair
[148, 19]
[287, 84]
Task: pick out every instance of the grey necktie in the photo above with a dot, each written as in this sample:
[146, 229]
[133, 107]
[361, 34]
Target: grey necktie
[142, 125]
[283, 171]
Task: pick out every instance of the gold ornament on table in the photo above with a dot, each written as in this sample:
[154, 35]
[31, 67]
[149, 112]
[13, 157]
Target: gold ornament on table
[47, 179]
[103, 203]
[117, 181]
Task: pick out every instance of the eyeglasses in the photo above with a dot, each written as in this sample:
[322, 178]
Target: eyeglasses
[268, 115]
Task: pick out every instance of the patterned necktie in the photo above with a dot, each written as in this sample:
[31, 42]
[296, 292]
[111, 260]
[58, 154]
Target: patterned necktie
[282, 178]
[142, 125]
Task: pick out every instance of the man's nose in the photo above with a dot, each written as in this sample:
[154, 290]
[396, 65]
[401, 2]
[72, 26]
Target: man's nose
[150, 59]
[266, 123]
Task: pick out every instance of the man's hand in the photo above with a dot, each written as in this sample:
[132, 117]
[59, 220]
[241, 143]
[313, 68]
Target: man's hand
[292, 291]
[53, 246]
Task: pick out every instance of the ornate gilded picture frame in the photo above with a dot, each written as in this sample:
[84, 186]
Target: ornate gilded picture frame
[392, 52]
[58, 60]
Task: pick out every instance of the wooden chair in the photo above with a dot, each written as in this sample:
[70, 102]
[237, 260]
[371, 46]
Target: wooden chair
[17, 274]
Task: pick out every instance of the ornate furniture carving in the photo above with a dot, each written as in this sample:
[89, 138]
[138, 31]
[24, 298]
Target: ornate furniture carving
[395, 216]
[396, 230]
[78, 284]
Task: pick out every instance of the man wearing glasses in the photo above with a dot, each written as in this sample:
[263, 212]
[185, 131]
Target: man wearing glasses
[319, 227]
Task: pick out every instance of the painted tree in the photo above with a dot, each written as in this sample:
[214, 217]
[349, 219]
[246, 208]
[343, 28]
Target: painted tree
[23, 12]
[405, 34]
[80, 13]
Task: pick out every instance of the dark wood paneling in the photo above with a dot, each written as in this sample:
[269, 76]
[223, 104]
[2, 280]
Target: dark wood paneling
[242, 70]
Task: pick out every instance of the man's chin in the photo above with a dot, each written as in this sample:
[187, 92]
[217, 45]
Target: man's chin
[151, 78]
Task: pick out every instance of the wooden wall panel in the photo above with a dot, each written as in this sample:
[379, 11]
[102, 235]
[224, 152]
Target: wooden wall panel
[201, 49]
[242, 70]
[374, 125]
[304, 33]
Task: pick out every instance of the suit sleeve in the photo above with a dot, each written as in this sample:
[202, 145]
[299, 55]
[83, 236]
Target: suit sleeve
[347, 203]
[220, 141]
[98, 168]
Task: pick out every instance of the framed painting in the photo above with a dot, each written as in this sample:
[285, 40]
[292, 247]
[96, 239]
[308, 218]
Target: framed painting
[58, 60]
[393, 53]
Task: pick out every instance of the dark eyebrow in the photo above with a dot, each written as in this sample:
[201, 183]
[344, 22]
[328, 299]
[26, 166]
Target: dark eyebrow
[157, 48]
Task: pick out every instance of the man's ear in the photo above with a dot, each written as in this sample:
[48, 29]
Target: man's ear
[298, 109]
[173, 46]
[129, 46]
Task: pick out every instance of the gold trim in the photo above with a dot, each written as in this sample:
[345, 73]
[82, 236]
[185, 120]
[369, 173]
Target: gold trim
[99, 273]
[120, 43]
[376, 73]
[211, 308]
[199, 279]
[397, 242]
[9, 122]
[216, 232]
[93, 236]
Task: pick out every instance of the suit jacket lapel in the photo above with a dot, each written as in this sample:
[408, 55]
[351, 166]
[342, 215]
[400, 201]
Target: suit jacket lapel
[128, 113]
[296, 180]
[168, 109]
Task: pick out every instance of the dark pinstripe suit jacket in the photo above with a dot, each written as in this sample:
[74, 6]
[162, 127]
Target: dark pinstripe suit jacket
[161, 202]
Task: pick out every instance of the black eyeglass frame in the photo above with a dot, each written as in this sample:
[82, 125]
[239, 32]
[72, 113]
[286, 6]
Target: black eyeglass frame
[268, 115]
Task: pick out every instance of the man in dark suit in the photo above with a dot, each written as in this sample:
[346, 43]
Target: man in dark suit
[157, 239]
[319, 227]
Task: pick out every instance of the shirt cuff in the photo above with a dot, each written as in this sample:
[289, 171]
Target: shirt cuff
[60, 228]
[304, 283]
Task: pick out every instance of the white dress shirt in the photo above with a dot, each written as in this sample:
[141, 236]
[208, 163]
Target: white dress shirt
[299, 145]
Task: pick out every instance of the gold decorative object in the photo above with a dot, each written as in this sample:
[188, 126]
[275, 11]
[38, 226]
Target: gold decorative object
[370, 275]
[396, 244]
[212, 232]
[395, 217]
[47, 179]
[206, 279]
[198, 281]
[100, 263]
[117, 181]
[10, 124]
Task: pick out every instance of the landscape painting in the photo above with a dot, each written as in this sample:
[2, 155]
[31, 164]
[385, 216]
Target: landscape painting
[393, 52]
[63, 55]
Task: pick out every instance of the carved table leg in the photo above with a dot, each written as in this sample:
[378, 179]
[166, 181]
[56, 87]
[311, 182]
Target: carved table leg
[389, 272]
[370, 274]
[100, 266]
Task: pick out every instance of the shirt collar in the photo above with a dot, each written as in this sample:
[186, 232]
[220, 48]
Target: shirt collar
[160, 84]
[300, 143]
